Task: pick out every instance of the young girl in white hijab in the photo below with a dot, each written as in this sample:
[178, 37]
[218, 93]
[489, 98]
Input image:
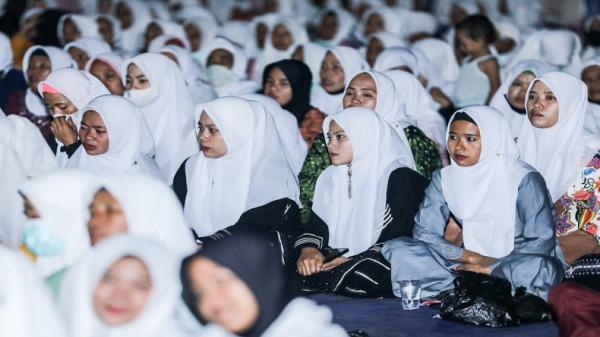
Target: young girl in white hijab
[200, 91]
[55, 235]
[115, 139]
[142, 206]
[66, 92]
[155, 84]
[72, 27]
[367, 196]
[25, 298]
[225, 66]
[510, 97]
[242, 178]
[337, 68]
[555, 142]
[83, 49]
[107, 68]
[125, 286]
[502, 204]
[38, 62]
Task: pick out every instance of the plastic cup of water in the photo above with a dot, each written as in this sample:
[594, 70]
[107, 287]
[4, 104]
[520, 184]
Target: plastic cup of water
[410, 290]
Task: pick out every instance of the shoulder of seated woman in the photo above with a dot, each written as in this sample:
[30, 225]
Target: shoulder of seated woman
[488, 63]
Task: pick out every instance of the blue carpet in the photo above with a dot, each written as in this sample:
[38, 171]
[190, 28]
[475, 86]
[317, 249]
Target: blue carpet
[385, 318]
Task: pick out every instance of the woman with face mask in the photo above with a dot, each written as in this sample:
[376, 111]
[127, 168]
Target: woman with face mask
[115, 139]
[217, 279]
[124, 286]
[155, 84]
[367, 196]
[66, 92]
[554, 141]
[225, 66]
[502, 204]
[38, 62]
[54, 234]
[142, 206]
[510, 97]
[242, 178]
[25, 298]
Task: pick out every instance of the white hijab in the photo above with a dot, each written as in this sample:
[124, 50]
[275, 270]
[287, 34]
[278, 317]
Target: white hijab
[152, 211]
[393, 58]
[394, 20]
[115, 61]
[6, 54]
[499, 101]
[391, 110]
[127, 148]
[156, 317]
[253, 172]
[483, 196]
[287, 126]
[92, 46]
[117, 40]
[356, 221]
[200, 91]
[133, 38]
[170, 113]
[440, 57]
[58, 59]
[352, 62]
[61, 198]
[592, 118]
[171, 30]
[560, 151]
[346, 24]
[560, 48]
[30, 147]
[87, 26]
[25, 299]
[418, 105]
[11, 204]
[388, 40]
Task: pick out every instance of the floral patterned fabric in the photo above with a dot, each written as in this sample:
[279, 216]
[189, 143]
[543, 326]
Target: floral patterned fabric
[579, 207]
[425, 151]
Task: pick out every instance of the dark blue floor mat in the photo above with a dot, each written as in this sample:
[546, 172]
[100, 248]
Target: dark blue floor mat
[385, 318]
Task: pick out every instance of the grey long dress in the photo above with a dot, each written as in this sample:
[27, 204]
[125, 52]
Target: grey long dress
[535, 262]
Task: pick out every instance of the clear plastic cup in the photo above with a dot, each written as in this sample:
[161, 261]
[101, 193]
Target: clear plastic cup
[410, 291]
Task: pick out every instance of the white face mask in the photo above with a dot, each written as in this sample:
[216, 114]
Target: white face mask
[141, 97]
[39, 239]
[218, 75]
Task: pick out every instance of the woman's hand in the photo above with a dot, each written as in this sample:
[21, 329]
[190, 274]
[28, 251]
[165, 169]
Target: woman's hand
[474, 268]
[440, 97]
[64, 130]
[311, 261]
[475, 262]
[334, 263]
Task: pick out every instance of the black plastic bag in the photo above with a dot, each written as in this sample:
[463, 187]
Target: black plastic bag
[479, 299]
[530, 308]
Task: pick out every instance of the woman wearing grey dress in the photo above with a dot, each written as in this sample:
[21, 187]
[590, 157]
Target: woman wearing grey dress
[503, 207]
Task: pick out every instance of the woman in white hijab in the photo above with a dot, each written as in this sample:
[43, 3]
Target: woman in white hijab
[382, 19]
[115, 139]
[200, 91]
[286, 35]
[379, 42]
[335, 25]
[11, 215]
[225, 66]
[142, 206]
[439, 56]
[107, 68]
[510, 97]
[38, 62]
[29, 145]
[397, 58]
[502, 204]
[134, 16]
[559, 48]
[24, 299]
[72, 27]
[242, 177]
[367, 196]
[155, 84]
[200, 30]
[555, 142]
[337, 68]
[66, 92]
[125, 286]
[169, 30]
[86, 48]
[56, 207]
[109, 28]
[590, 75]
